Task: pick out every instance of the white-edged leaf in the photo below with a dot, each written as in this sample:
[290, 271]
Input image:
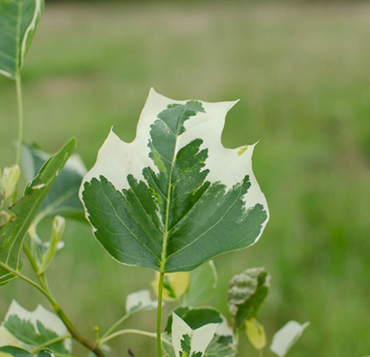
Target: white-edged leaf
[18, 23]
[36, 328]
[13, 351]
[286, 337]
[140, 301]
[188, 342]
[203, 283]
[174, 198]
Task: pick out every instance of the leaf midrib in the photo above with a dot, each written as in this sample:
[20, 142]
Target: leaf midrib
[165, 237]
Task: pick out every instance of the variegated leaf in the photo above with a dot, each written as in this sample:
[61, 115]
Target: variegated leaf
[18, 23]
[174, 198]
[29, 330]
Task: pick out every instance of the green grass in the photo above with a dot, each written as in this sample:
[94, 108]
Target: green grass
[301, 72]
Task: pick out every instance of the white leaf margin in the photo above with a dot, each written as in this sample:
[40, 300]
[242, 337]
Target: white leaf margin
[47, 318]
[286, 337]
[117, 159]
[31, 27]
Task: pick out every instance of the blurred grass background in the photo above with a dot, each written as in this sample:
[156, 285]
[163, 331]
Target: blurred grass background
[301, 71]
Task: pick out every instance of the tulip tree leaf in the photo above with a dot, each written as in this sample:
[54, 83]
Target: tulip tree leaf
[37, 328]
[11, 351]
[12, 234]
[188, 342]
[18, 23]
[63, 196]
[247, 292]
[174, 198]
[222, 345]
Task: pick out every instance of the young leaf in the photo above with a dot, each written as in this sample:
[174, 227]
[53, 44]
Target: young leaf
[222, 345]
[203, 283]
[11, 351]
[63, 197]
[247, 292]
[286, 337]
[36, 328]
[195, 317]
[12, 234]
[174, 287]
[188, 342]
[18, 23]
[174, 198]
[56, 235]
[140, 301]
[8, 183]
[256, 333]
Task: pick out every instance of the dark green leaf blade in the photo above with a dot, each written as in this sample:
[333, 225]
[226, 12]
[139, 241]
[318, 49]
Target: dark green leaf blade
[247, 292]
[12, 234]
[18, 23]
[175, 197]
[20, 352]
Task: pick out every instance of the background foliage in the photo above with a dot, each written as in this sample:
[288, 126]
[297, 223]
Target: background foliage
[301, 72]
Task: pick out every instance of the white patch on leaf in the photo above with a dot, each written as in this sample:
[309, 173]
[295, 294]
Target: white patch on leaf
[200, 338]
[140, 301]
[47, 318]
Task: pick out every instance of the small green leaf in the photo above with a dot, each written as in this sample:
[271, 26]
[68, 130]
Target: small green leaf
[247, 292]
[30, 330]
[174, 198]
[11, 351]
[140, 301]
[256, 333]
[203, 283]
[18, 23]
[12, 234]
[286, 337]
[63, 197]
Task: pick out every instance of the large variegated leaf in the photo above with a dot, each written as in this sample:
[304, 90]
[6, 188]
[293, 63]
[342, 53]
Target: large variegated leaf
[12, 234]
[174, 197]
[31, 330]
[18, 23]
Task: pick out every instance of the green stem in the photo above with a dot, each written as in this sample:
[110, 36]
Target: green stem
[18, 82]
[23, 277]
[44, 288]
[123, 332]
[159, 314]
[114, 326]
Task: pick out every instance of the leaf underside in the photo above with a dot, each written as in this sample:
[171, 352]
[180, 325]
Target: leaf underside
[18, 23]
[172, 218]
